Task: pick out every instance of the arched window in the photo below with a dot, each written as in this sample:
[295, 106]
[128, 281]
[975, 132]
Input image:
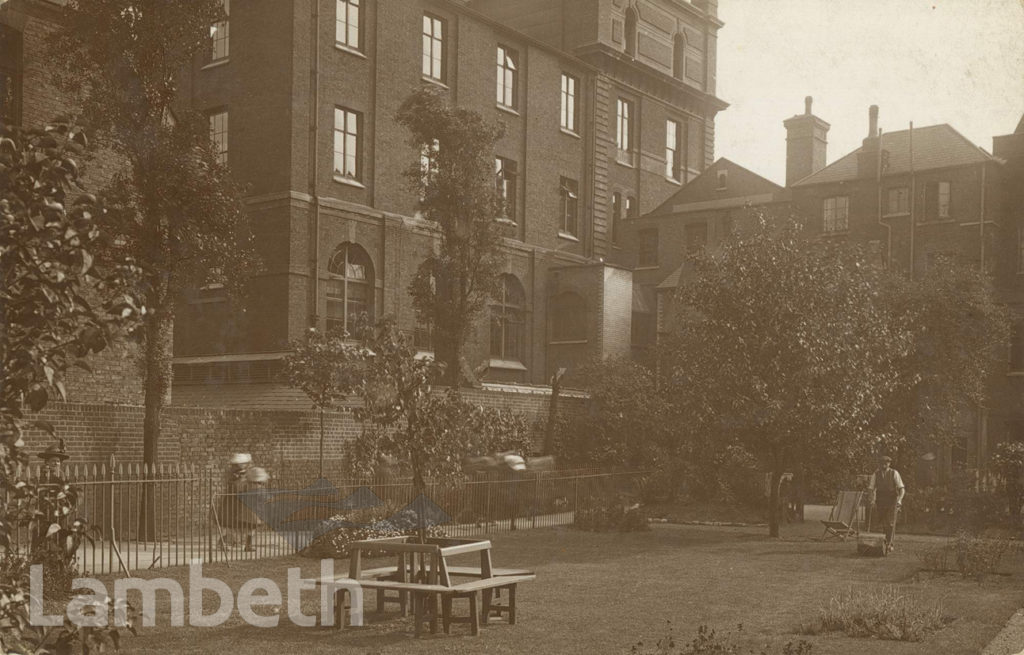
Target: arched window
[568, 317]
[349, 287]
[679, 56]
[631, 21]
[508, 321]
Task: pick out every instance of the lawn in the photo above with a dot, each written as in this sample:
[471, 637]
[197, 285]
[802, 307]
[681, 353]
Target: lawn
[601, 593]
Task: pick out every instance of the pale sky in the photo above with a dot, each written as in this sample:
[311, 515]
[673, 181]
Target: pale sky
[940, 61]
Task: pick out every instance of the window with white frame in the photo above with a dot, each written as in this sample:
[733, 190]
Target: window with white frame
[569, 111]
[673, 150]
[624, 129]
[434, 48]
[346, 144]
[348, 24]
[508, 321]
[349, 287]
[508, 77]
[632, 208]
[505, 183]
[836, 214]
[569, 203]
[219, 135]
[897, 200]
[220, 32]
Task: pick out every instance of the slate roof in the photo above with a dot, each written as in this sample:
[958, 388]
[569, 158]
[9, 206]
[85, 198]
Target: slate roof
[935, 146]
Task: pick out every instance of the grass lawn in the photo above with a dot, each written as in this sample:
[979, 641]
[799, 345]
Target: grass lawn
[600, 593]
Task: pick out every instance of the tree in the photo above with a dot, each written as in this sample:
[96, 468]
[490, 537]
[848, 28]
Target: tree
[429, 433]
[323, 367]
[64, 295]
[786, 351]
[180, 213]
[455, 180]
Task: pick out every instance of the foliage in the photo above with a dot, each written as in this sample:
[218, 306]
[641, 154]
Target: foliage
[611, 516]
[710, 642]
[65, 294]
[455, 181]
[977, 557]
[1008, 463]
[958, 506]
[180, 214]
[887, 613]
[784, 351]
[428, 432]
[335, 534]
[955, 321]
[630, 421]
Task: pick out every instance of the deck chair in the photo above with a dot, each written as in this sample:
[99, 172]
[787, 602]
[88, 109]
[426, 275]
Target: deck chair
[844, 519]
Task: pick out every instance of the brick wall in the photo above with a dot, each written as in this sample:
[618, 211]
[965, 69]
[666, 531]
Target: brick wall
[279, 439]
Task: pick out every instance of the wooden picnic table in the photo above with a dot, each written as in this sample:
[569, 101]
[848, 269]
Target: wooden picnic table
[424, 573]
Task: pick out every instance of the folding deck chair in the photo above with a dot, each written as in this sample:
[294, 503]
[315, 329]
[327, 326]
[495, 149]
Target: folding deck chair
[844, 519]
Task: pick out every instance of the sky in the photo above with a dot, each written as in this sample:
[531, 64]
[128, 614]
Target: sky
[939, 61]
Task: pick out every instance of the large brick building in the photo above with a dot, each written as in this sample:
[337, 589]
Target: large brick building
[608, 106]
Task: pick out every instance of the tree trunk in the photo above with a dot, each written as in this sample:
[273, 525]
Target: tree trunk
[773, 502]
[321, 443]
[159, 326]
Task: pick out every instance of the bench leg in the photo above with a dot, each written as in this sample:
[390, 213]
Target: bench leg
[487, 607]
[433, 614]
[474, 618]
[446, 613]
[380, 601]
[512, 604]
[417, 604]
[339, 609]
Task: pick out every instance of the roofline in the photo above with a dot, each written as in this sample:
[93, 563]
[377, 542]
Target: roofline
[772, 203]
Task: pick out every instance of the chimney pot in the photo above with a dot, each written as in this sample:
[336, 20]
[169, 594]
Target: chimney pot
[807, 105]
[873, 121]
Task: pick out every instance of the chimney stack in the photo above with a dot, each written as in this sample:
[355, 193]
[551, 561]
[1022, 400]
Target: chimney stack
[867, 156]
[873, 121]
[806, 144]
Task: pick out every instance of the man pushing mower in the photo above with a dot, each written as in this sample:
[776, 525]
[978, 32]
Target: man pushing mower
[886, 498]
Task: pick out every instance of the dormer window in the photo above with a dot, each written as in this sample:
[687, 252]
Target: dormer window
[723, 181]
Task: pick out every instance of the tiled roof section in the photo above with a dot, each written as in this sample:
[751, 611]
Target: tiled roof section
[935, 146]
[741, 182]
[272, 397]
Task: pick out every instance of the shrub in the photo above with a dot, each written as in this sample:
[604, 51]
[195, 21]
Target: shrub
[611, 516]
[960, 506]
[334, 535]
[885, 614]
[977, 557]
[710, 642]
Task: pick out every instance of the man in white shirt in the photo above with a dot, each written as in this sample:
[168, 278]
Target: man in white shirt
[887, 497]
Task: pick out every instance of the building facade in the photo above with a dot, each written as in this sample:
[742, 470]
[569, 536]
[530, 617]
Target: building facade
[608, 108]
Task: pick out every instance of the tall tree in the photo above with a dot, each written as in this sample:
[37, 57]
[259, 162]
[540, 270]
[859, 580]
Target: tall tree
[181, 214]
[455, 180]
[786, 351]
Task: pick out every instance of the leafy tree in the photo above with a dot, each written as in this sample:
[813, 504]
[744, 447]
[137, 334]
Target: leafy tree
[64, 295]
[786, 351]
[322, 366]
[455, 180]
[180, 214]
[430, 433]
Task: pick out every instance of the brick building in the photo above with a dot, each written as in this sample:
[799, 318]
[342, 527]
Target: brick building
[609, 108]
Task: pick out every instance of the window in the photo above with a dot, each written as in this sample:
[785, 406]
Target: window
[434, 54]
[696, 237]
[346, 144]
[616, 215]
[10, 75]
[219, 33]
[679, 56]
[219, 135]
[348, 28]
[569, 191]
[1017, 348]
[505, 180]
[723, 181]
[631, 21]
[508, 73]
[568, 317]
[898, 201]
[624, 130]
[349, 287]
[647, 250]
[836, 214]
[569, 112]
[508, 322]
[936, 200]
[673, 150]
[631, 207]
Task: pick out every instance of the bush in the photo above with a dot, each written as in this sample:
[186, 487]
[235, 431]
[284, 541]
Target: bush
[886, 614]
[332, 538]
[710, 642]
[977, 557]
[611, 516]
[959, 506]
